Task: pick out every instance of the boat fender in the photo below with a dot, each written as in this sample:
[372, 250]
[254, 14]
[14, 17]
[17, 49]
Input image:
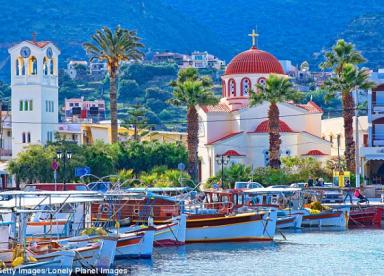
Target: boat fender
[17, 261]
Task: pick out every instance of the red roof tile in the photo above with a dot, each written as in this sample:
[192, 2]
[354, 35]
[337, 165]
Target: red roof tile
[263, 127]
[40, 44]
[254, 61]
[227, 136]
[311, 107]
[221, 107]
[315, 153]
[232, 153]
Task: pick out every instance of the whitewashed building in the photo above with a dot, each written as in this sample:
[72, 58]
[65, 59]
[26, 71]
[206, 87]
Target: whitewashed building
[34, 84]
[234, 129]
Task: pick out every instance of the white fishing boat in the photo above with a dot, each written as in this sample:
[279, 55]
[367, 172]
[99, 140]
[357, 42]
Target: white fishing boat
[169, 233]
[58, 266]
[135, 245]
[96, 252]
[292, 202]
[259, 226]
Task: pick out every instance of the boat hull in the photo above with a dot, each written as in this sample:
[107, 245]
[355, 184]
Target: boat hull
[135, 245]
[171, 234]
[293, 221]
[370, 216]
[241, 227]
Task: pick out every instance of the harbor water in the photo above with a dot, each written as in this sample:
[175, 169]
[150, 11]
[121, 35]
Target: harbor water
[308, 252]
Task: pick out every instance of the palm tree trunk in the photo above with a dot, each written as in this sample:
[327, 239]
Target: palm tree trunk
[193, 141]
[274, 136]
[348, 112]
[113, 105]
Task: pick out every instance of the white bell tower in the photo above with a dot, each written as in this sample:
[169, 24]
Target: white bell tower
[34, 83]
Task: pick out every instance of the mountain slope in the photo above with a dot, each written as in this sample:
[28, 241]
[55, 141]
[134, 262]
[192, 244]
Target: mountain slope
[70, 23]
[290, 29]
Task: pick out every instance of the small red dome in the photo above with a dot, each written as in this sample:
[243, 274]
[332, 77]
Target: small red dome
[263, 127]
[254, 61]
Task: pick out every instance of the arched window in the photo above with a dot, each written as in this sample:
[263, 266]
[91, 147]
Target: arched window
[45, 66]
[51, 66]
[245, 86]
[20, 67]
[28, 137]
[231, 88]
[32, 66]
[26, 105]
[23, 139]
[224, 92]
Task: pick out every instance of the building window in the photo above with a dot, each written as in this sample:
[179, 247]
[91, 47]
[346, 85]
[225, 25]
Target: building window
[46, 106]
[20, 67]
[245, 86]
[231, 88]
[21, 106]
[9, 133]
[30, 105]
[28, 137]
[45, 66]
[51, 67]
[23, 139]
[32, 66]
[49, 136]
[25, 105]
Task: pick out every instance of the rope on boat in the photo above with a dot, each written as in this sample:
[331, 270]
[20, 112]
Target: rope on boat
[282, 234]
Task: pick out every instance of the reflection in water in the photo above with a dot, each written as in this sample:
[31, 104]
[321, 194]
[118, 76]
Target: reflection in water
[311, 252]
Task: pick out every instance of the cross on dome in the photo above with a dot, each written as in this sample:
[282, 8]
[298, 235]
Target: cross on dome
[254, 35]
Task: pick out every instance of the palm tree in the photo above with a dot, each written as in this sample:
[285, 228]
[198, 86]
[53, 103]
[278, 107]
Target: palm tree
[114, 47]
[277, 89]
[342, 60]
[191, 90]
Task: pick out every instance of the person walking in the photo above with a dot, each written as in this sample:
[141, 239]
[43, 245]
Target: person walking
[310, 182]
[348, 192]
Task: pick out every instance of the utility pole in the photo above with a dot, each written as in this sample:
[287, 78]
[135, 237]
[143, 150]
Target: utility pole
[357, 155]
[338, 152]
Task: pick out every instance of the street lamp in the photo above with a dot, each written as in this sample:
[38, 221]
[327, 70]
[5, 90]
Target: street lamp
[222, 160]
[65, 156]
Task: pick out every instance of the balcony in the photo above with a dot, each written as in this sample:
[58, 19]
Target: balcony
[378, 107]
[378, 139]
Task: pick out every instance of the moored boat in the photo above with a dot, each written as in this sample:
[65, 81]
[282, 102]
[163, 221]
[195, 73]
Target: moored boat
[239, 227]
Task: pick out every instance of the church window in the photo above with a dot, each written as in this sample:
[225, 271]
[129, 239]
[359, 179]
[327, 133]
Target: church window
[21, 106]
[262, 81]
[30, 105]
[266, 157]
[232, 87]
[20, 67]
[25, 105]
[28, 137]
[245, 86]
[32, 66]
[51, 67]
[45, 66]
[23, 140]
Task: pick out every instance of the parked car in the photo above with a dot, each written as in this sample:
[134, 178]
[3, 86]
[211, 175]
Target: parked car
[332, 197]
[247, 185]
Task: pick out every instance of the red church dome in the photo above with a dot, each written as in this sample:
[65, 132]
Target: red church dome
[254, 61]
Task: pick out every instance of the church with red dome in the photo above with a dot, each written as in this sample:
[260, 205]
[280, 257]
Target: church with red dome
[235, 129]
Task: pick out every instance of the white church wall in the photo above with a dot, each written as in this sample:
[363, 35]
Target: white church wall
[309, 142]
[32, 87]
